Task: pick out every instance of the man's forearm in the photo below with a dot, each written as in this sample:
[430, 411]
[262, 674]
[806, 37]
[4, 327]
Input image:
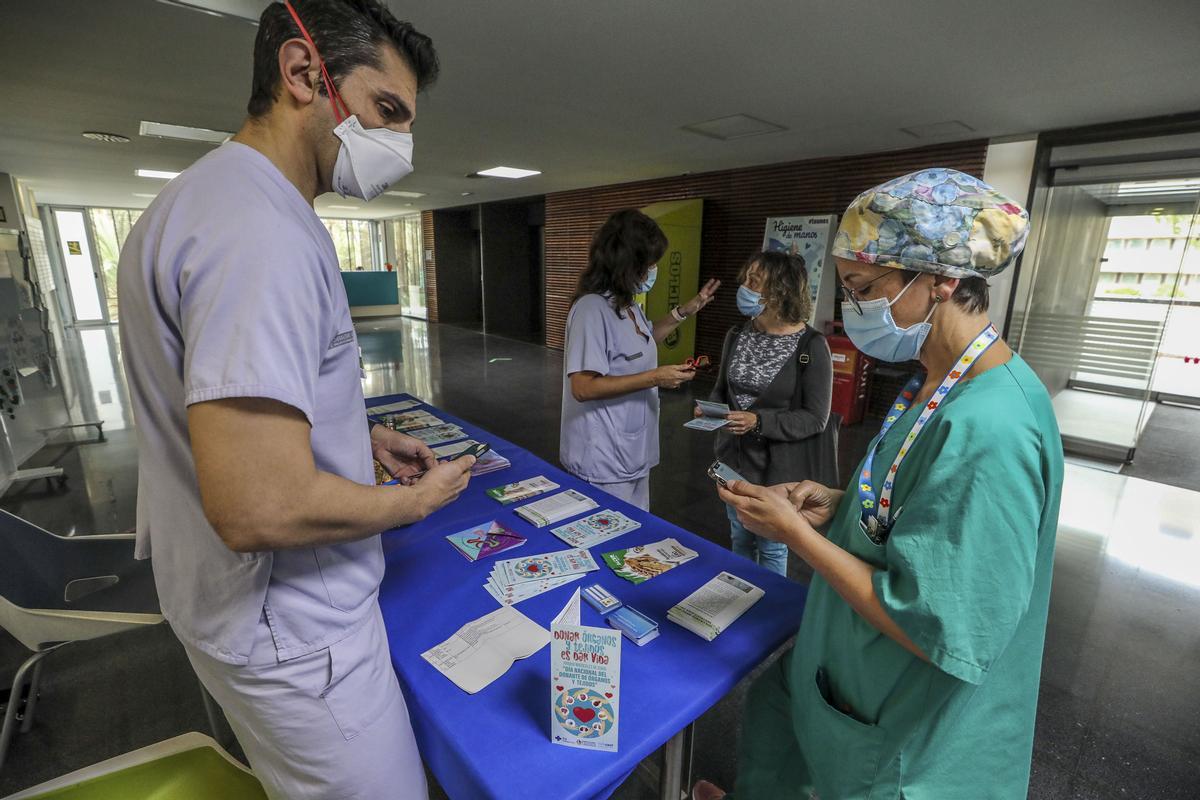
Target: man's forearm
[327, 509]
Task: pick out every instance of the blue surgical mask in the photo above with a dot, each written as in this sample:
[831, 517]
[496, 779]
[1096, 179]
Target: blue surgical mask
[648, 283]
[877, 334]
[749, 302]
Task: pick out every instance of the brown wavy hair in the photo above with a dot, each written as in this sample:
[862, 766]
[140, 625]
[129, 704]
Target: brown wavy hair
[626, 244]
[785, 284]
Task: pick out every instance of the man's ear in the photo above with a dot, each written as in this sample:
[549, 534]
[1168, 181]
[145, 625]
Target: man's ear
[300, 71]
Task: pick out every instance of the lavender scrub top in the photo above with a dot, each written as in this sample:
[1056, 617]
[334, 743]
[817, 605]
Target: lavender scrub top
[613, 440]
[229, 287]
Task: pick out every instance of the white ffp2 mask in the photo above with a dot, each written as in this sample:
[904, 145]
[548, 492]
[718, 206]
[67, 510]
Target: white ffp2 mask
[370, 160]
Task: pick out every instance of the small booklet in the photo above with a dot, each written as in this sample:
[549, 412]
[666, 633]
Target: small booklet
[391, 408]
[556, 508]
[485, 540]
[511, 493]
[483, 650]
[641, 563]
[715, 606]
[440, 434]
[714, 416]
[598, 528]
[585, 682]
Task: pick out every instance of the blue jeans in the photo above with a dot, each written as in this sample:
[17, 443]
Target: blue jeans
[764, 552]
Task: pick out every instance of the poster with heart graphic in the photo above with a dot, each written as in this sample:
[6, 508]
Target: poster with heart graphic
[585, 682]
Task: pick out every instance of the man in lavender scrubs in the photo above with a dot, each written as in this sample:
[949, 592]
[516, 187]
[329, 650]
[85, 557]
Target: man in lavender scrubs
[256, 499]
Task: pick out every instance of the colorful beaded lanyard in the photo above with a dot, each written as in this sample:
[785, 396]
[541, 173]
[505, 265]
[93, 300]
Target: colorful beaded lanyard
[876, 511]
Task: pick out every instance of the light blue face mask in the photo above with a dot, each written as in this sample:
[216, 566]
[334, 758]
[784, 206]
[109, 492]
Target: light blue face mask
[648, 283]
[749, 302]
[877, 334]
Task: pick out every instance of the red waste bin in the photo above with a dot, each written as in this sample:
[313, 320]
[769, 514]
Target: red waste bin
[851, 376]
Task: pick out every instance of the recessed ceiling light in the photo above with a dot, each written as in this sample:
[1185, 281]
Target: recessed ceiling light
[737, 126]
[101, 136]
[247, 10]
[413, 195]
[507, 172]
[162, 130]
[143, 194]
[466, 194]
[156, 173]
[937, 130]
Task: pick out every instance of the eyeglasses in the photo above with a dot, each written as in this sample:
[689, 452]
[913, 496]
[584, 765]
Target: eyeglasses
[852, 294]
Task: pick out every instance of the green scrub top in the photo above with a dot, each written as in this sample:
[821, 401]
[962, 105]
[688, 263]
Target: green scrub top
[966, 574]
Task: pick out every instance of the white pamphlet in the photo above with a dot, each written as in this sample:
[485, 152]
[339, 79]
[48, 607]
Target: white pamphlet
[556, 508]
[715, 606]
[483, 650]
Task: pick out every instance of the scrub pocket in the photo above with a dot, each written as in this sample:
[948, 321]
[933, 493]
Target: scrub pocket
[361, 684]
[841, 752]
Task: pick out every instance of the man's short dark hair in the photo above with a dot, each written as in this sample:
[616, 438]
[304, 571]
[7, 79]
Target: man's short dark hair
[347, 33]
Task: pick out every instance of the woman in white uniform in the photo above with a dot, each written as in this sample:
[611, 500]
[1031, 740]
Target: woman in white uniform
[611, 374]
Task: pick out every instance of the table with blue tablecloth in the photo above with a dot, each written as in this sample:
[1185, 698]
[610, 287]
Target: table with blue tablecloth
[496, 743]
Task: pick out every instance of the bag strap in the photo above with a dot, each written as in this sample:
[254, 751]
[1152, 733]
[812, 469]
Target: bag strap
[802, 355]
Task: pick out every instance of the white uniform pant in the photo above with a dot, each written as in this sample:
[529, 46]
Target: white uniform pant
[331, 724]
[635, 492]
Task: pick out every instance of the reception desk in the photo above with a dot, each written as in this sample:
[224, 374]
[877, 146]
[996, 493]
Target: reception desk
[372, 294]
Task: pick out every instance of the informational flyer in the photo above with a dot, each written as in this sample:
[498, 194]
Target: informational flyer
[598, 528]
[585, 682]
[810, 238]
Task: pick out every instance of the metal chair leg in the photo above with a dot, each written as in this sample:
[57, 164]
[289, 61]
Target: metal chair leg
[211, 711]
[31, 704]
[14, 700]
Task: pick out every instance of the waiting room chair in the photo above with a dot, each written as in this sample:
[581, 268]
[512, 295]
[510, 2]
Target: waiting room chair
[187, 767]
[55, 590]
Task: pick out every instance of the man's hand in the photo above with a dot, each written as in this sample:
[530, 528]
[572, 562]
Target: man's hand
[401, 455]
[443, 483]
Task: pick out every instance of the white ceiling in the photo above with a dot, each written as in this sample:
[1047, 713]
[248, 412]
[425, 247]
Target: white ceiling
[596, 92]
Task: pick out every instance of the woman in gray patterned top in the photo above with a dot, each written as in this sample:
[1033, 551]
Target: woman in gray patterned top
[777, 379]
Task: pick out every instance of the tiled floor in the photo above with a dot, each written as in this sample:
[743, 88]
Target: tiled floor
[1119, 698]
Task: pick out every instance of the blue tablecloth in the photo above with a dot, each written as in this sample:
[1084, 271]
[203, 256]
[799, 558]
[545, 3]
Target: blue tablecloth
[496, 744]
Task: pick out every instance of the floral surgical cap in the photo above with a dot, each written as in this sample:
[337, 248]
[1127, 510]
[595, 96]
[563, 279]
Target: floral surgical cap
[937, 220]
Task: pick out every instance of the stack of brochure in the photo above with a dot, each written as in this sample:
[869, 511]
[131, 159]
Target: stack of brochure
[491, 461]
[521, 490]
[411, 421]
[439, 434]
[556, 508]
[517, 579]
[645, 561]
[715, 606]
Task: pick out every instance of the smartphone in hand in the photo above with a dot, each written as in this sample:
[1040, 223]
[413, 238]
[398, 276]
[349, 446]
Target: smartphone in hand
[723, 474]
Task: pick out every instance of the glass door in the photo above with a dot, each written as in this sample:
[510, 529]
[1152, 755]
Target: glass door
[84, 278]
[1107, 307]
[405, 255]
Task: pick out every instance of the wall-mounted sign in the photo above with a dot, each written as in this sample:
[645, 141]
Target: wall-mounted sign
[810, 238]
[74, 249]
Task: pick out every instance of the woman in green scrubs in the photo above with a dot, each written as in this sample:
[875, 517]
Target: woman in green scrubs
[916, 668]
